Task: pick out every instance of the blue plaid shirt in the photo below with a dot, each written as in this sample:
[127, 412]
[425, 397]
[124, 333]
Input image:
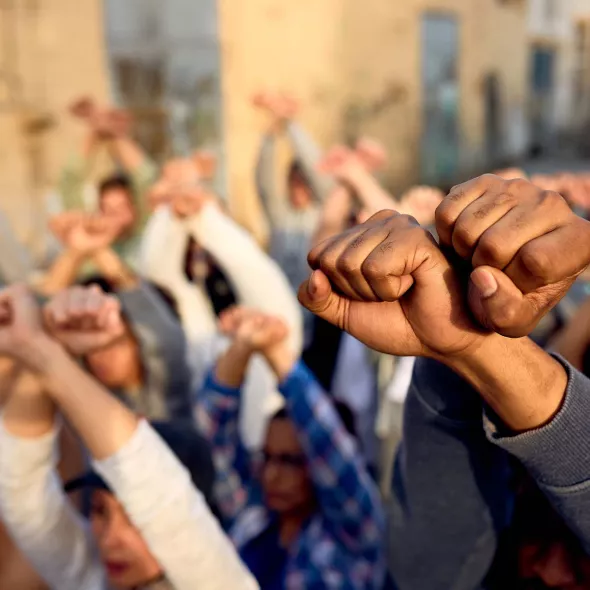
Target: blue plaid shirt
[342, 546]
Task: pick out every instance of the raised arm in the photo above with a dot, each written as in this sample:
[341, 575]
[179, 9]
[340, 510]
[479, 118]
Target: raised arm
[149, 481]
[163, 251]
[39, 517]
[258, 280]
[347, 494]
[217, 412]
[308, 154]
[445, 460]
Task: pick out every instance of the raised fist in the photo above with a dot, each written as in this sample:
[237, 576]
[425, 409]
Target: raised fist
[83, 108]
[84, 319]
[371, 153]
[525, 243]
[387, 283]
[421, 202]
[92, 233]
[20, 324]
[253, 329]
[342, 163]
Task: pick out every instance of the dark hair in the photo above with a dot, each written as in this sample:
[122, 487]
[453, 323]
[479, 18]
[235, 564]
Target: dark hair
[296, 172]
[342, 409]
[114, 182]
[108, 286]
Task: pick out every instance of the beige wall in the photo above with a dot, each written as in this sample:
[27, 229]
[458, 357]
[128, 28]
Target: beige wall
[57, 53]
[337, 53]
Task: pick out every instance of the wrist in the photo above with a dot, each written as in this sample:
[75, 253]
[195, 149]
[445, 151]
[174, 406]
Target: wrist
[281, 360]
[523, 384]
[39, 353]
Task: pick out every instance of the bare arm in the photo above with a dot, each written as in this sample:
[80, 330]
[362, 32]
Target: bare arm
[114, 269]
[63, 272]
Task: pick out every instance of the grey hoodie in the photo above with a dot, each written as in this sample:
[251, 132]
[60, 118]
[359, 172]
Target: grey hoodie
[452, 493]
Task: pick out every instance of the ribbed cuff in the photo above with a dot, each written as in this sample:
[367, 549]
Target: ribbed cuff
[558, 453]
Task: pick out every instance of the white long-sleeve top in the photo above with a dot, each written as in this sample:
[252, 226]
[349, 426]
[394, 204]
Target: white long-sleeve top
[157, 494]
[258, 283]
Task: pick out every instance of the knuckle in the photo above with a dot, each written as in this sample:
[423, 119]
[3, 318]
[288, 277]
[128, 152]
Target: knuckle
[463, 236]
[445, 215]
[373, 270]
[491, 249]
[346, 266]
[518, 185]
[553, 200]
[536, 261]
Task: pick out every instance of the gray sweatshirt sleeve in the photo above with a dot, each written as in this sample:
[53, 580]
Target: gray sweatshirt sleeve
[450, 487]
[308, 154]
[272, 200]
[163, 349]
[39, 517]
[158, 496]
[558, 455]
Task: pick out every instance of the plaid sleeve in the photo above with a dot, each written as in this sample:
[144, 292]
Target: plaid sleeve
[217, 413]
[348, 497]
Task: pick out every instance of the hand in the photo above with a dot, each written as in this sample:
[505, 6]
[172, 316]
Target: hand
[181, 172]
[187, 202]
[526, 245]
[511, 173]
[206, 164]
[63, 223]
[21, 329]
[84, 319]
[252, 329]
[92, 233]
[371, 153]
[421, 202]
[160, 193]
[387, 283]
[342, 163]
[83, 108]
[119, 122]
[280, 106]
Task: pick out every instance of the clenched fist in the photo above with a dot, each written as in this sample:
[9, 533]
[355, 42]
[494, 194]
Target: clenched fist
[84, 319]
[525, 246]
[387, 283]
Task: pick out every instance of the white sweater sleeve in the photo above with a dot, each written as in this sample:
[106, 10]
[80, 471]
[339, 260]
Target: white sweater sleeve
[258, 280]
[163, 248]
[156, 491]
[39, 517]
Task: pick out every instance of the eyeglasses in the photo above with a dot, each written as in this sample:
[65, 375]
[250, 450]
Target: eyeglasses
[283, 460]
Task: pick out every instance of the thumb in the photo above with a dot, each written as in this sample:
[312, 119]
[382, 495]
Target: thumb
[499, 305]
[316, 294]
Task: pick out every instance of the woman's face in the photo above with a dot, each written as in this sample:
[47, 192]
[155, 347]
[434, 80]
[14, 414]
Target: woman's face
[124, 554]
[285, 479]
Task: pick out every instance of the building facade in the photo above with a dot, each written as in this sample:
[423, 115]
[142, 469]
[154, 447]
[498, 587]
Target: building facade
[446, 85]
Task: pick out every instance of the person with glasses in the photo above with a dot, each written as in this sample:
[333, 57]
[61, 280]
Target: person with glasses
[306, 513]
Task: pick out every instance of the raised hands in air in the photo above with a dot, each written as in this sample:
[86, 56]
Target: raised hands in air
[84, 319]
[522, 246]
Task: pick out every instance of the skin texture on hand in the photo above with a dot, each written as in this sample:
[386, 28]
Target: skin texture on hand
[526, 245]
[84, 319]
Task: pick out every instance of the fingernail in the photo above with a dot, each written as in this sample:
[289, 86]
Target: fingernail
[485, 282]
[312, 284]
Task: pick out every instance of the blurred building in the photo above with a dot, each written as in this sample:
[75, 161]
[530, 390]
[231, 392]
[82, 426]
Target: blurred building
[451, 87]
[559, 56]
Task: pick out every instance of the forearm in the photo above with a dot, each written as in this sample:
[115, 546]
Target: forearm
[232, 364]
[103, 423]
[114, 269]
[127, 152]
[524, 385]
[335, 215]
[372, 195]
[63, 272]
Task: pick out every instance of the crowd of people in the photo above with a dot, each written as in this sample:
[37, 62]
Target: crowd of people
[390, 396]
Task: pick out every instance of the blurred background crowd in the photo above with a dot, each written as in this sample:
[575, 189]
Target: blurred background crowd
[184, 156]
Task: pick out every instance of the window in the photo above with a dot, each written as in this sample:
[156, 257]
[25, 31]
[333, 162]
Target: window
[164, 64]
